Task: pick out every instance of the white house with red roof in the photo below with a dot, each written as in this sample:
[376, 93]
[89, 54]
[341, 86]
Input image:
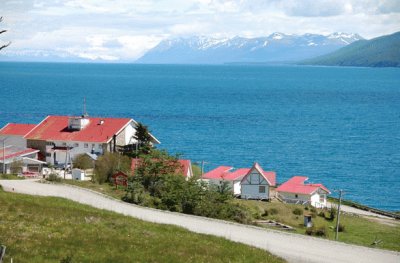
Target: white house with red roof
[296, 191]
[257, 183]
[244, 182]
[13, 134]
[60, 138]
[227, 174]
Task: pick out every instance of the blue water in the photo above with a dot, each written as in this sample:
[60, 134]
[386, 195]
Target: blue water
[338, 126]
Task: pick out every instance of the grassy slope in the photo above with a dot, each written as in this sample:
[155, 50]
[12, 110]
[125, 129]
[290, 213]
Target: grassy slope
[44, 229]
[378, 52]
[358, 230]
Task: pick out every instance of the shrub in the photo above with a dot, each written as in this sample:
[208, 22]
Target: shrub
[341, 228]
[54, 178]
[332, 214]
[273, 211]
[108, 164]
[321, 214]
[83, 161]
[317, 231]
[297, 211]
[321, 231]
[265, 213]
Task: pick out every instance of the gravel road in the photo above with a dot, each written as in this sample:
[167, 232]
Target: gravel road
[292, 247]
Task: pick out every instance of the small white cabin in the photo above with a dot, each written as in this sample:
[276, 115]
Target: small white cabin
[295, 191]
[256, 183]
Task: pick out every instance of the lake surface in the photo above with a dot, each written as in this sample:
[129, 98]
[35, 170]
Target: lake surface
[338, 126]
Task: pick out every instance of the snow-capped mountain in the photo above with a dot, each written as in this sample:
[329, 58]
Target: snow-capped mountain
[277, 47]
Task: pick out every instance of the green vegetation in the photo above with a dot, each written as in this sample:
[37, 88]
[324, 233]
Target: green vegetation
[158, 183]
[11, 177]
[83, 161]
[108, 164]
[354, 229]
[378, 52]
[44, 229]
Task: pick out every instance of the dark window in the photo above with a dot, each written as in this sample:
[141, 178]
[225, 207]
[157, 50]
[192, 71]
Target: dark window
[261, 189]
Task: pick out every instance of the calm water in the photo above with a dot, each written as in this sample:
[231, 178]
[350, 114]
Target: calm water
[339, 126]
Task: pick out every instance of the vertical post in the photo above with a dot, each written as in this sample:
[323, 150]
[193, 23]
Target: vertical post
[202, 168]
[4, 156]
[338, 215]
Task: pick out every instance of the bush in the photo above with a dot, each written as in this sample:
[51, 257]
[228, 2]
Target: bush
[83, 161]
[54, 178]
[273, 211]
[321, 214]
[265, 213]
[297, 211]
[341, 228]
[108, 164]
[320, 231]
[332, 214]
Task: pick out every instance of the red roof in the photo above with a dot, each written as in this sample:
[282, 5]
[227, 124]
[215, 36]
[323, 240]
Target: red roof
[185, 166]
[225, 173]
[17, 129]
[11, 152]
[217, 173]
[296, 185]
[55, 128]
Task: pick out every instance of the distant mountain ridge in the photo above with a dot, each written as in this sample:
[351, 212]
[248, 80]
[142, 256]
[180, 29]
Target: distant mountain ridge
[382, 51]
[277, 47]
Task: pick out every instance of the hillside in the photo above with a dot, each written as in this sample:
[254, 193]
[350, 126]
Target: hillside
[277, 47]
[44, 229]
[378, 52]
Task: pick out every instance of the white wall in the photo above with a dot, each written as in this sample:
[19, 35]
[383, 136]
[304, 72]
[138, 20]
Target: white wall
[130, 131]
[13, 140]
[313, 199]
[250, 186]
[74, 151]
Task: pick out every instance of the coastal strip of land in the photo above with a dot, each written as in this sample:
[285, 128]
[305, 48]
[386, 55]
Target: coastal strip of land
[292, 247]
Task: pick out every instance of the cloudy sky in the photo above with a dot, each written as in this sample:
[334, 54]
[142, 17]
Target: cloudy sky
[122, 30]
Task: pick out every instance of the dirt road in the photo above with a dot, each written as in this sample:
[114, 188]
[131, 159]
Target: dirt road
[292, 247]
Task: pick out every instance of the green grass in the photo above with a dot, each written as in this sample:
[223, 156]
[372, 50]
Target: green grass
[105, 188]
[358, 230]
[10, 177]
[46, 229]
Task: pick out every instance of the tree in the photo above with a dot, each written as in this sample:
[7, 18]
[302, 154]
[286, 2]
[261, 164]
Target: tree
[1, 32]
[143, 143]
[16, 166]
[83, 161]
[110, 163]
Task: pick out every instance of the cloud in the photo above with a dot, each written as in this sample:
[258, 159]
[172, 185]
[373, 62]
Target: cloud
[124, 30]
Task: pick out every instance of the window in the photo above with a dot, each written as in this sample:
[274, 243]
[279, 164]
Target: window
[49, 143]
[64, 144]
[100, 147]
[322, 198]
[93, 145]
[296, 196]
[261, 189]
[86, 145]
[76, 144]
[48, 154]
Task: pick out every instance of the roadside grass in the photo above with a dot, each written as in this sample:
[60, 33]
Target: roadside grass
[358, 230]
[105, 188]
[11, 177]
[47, 229]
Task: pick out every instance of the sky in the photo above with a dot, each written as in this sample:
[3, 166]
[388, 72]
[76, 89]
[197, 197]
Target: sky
[123, 30]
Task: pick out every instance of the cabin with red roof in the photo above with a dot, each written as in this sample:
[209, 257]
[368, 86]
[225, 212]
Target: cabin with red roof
[244, 182]
[14, 134]
[296, 191]
[257, 183]
[227, 174]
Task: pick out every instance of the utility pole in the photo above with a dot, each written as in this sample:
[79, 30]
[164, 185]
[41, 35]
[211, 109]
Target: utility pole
[338, 214]
[202, 167]
[4, 155]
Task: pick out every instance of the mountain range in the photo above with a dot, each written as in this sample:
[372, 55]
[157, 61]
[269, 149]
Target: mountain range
[275, 48]
[382, 51]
